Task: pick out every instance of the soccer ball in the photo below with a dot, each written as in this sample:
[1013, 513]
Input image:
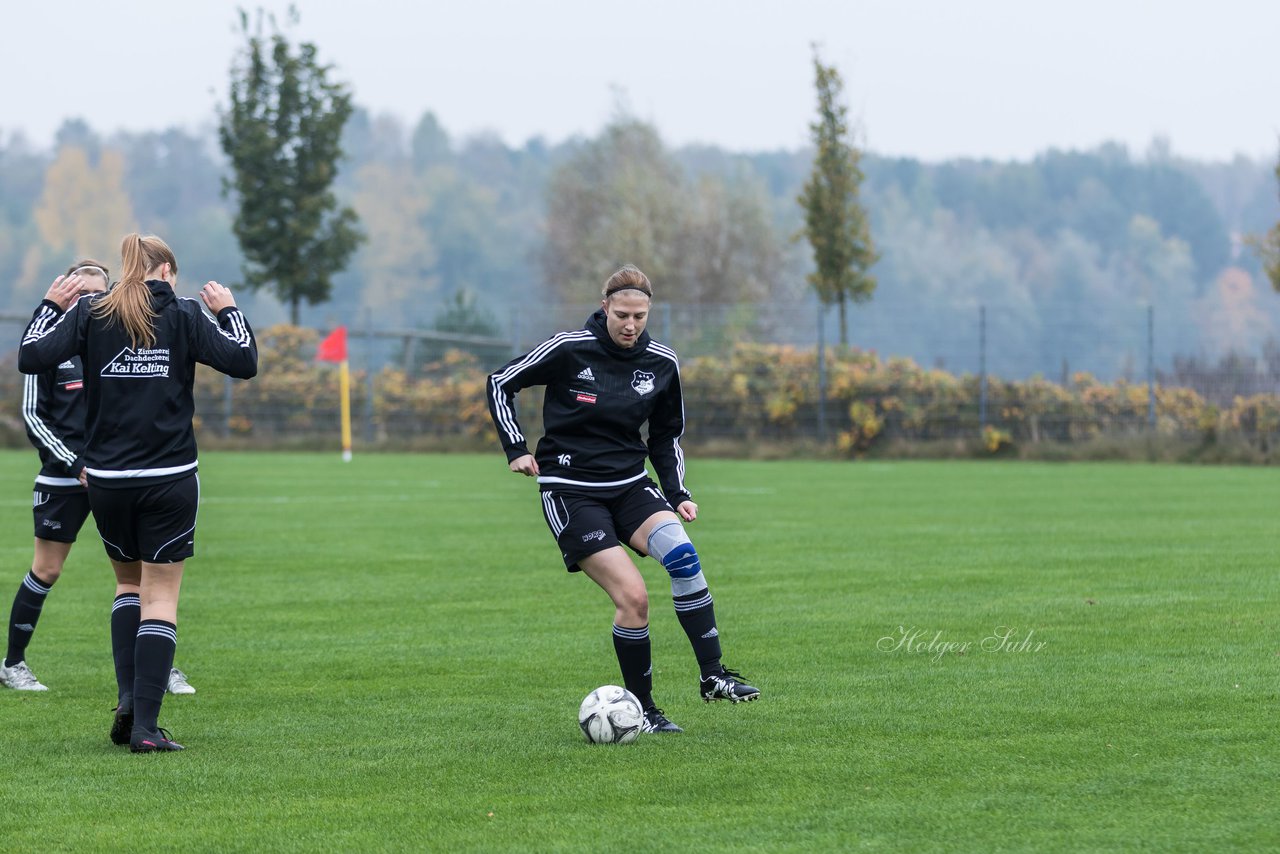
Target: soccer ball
[610, 715]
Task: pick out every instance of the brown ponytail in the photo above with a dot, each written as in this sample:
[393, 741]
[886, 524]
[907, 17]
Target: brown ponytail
[129, 302]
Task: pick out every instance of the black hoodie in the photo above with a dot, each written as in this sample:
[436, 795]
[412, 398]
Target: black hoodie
[598, 397]
[139, 400]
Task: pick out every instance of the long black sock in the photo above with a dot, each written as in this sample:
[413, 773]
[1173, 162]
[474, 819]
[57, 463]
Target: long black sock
[697, 616]
[126, 612]
[153, 658]
[636, 660]
[24, 616]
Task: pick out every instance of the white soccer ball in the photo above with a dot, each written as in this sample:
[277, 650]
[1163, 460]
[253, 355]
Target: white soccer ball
[610, 715]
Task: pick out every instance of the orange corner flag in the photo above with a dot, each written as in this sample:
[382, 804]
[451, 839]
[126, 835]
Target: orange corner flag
[333, 348]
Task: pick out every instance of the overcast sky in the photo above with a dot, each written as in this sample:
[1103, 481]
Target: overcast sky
[932, 79]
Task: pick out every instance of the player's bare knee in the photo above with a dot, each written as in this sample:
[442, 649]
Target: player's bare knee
[47, 570]
[669, 544]
[633, 606]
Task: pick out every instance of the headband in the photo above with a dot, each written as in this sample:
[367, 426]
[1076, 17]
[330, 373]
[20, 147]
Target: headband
[627, 288]
[101, 272]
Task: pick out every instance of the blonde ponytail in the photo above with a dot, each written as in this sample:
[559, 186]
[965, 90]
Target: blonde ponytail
[129, 302]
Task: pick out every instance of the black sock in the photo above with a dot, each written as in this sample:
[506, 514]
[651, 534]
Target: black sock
[153, 658]
[24, 616]
[636, 660]
[126, 612]
[697, 615]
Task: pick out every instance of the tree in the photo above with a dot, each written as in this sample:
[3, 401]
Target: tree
[430, 145]
[398, 263]
[1270, 246]
[835, 222]
[617, 201]
[83, 208]
[82, 211]
[624, 198]
[282, 133]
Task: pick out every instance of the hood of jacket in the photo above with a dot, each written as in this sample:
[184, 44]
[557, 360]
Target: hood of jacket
[597, 324]
[161, 293]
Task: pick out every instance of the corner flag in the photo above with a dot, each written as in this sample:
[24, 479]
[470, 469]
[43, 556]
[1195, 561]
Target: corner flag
[334, 349]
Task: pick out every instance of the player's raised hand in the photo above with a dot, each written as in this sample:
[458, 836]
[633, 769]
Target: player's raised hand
[64, 291]
[217, 297]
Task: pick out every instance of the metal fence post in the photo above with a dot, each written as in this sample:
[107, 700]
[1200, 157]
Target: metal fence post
[982, 368]
[1151, 368]
[226, 406]
[822, 374]
[369, 435]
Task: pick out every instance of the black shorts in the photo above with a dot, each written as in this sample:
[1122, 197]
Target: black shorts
[585, 521]
[59, 516]
[156, 524]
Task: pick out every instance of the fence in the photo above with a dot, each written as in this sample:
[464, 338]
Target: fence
[757, 376]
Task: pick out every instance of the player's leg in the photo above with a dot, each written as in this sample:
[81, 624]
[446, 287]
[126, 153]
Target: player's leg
[613, 570]
[28, 602]
[663, 537]
[57, 518]
[153, 652]
[584, 529]
[113, 511]
[126, 613]
[166, 523]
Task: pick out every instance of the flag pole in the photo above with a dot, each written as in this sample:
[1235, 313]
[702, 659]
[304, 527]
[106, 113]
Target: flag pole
[344, 383]
[334, 349]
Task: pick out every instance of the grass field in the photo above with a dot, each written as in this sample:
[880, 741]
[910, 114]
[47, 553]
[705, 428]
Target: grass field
[389, 657]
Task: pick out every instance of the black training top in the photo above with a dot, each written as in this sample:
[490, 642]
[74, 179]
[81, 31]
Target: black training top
[598, 397]
[139, 400]
[53, 408]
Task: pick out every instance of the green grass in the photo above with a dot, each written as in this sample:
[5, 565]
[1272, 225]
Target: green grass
[389, 656]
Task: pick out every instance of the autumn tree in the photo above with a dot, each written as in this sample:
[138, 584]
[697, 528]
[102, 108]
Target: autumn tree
[835, 222]
[398, 263]
[282, 132]
[616, 201]
[623, 198]
[82, 211]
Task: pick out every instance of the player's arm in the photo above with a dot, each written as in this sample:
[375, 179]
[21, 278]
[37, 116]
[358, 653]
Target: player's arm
[226, 343]
[666, 426]
[536, 367]
[37, 394]
[55, 330]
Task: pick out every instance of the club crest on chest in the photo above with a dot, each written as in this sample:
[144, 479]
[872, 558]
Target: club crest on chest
[642, 382]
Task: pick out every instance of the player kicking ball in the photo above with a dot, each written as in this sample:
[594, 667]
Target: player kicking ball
[604, 382]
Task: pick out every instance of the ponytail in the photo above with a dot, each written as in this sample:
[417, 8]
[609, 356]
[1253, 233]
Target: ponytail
[129, 302]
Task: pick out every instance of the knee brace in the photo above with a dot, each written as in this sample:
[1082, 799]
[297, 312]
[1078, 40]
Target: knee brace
[670, 546]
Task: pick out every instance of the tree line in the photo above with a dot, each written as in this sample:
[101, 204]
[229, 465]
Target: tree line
[462, 232]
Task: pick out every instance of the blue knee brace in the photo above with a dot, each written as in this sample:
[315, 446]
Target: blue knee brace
[670, 546]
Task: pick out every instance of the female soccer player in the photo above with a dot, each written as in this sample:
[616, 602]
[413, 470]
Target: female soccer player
[603, 383]
[53, 407]
[139, 345]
